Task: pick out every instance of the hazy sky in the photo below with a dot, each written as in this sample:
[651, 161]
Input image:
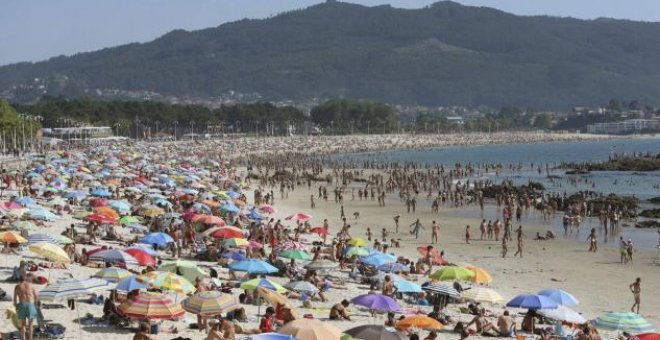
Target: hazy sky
[32, 30]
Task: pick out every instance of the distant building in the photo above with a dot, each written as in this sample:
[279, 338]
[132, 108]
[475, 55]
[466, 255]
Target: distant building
[79, 132]
[624, 126]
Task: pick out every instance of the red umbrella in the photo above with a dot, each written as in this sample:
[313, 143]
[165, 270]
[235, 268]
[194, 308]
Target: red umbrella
[90, 252]
[301, 217]
[98, 202]
[189, 216]
[141, 256]
[320, 231]
[647, 336]
[227, 232]
[100, 219]
[209, 220]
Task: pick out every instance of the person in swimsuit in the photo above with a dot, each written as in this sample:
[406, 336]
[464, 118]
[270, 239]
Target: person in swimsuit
[25, 298]
[636, 289]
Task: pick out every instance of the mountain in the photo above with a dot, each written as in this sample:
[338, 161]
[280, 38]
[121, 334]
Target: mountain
[444, 54]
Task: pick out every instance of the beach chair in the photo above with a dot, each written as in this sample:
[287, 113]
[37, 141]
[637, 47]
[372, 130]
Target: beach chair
[521, 337]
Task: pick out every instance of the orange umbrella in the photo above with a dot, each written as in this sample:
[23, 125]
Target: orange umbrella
[107, 212]
[480, 275]
[419, 322]
[211, 203]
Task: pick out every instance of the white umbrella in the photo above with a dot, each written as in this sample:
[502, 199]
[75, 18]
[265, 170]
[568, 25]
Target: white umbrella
[563, 313]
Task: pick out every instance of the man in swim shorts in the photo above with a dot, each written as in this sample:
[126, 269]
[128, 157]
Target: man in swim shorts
[25, 298]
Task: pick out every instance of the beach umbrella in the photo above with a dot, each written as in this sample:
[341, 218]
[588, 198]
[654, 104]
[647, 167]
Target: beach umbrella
[623, 322]
[100, 192]
[187, 269]
[532, 301]
[151, 306]
[311, 329]
[228, 232]
[253, 267]
[152, 212]
[647, 336]
[107, 212]
[358, 242]
[320, 231]
[267, 209]
[50, 251]
[100, 219]
[113, 256]
[138, 228]
[79, 195]
[377, 259]
[234, 255]
[71, 289]
[112, 274]
[393, 267]
[419, 322]
[322, 265]
[159, 239]
[254, 215]
[26, 225]
[302, 287]
[209, 220]
[441, 289]
[147, 248]
[452, 273]
[374, 332]
[130, 284]
[25, 201]
[376, 302]
[380, 277]
[296, 254]
[210, 303]
[167, 281]
[236, 242]
[143, 258]
[40, 214]
[128, 220]
[404, 286]
[289, 245]
[121, 206]
[480, 275]
[54, 239]
[12, 237]
[560, 297]
[264, 283]
[229, 207]
[268, 336]
[301, 217]
[563, 313]
[480, 294]
[357, 251]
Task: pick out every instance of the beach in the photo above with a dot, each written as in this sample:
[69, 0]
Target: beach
[597, 279]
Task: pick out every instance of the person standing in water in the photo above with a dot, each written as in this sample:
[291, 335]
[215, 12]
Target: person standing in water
[434, 232]
[416, 226]
[593, 241]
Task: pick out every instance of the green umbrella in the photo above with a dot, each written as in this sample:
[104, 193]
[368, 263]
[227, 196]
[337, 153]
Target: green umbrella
[296, 254]
[128, 220]
[187, 269]
[62, 239]
[359, 251]
[82, 214]
[452, 273]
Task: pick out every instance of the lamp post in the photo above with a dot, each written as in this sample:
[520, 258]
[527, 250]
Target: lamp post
[137, 127]
[116, 126]
[157, 123]
[368, 126]
[176, 123]
[192, 129]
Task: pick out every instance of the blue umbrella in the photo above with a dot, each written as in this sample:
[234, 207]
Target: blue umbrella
[254, 215]
[393, 267]
[559, 296]
[531, 301]
[233, 194]
[25, 201]
[404, 286]
[190, 191]
[163, 202]
[130, 284]
[269, 336]
[42, 214]
[159, 239]
[100, 192]
[76, 194]
[202, 207]
[120, 206]
[138, 227]
[228, 207]
[378, 259]
[236, 256]
[36, 238]
[253, 267]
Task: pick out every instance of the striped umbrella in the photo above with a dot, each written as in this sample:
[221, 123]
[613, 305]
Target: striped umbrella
[167, 281]
[151, 306]
[71, 289]
[236, 242]
[289, 245]
[112, 274]
[479, 294]
[50, 251]
[264, 283]
[441, 290]
[113, 256]
[11, 237]
[623, 322]
[36, 238]
[302, 287]
[210, 303]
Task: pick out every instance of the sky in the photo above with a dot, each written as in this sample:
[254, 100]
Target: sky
[34, 30]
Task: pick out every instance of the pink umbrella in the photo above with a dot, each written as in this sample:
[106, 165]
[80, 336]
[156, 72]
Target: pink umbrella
[12, 205]
[289, 245]
[255, 245]
[301, 217]
[267, 209]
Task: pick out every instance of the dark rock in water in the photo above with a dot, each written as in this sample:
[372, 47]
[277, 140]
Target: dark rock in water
[578, 172]
[627, 163]
[650, 213]
[531, 189]
[655, 200]
[648, 224]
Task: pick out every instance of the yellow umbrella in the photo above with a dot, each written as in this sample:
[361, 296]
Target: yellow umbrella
[50, 251]
[152, 212]
[480, 275]
[481, 294]
[274, 298]
[11, 237]
[358, 242]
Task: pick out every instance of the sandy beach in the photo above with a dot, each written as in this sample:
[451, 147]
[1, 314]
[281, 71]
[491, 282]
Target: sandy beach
[598, 280]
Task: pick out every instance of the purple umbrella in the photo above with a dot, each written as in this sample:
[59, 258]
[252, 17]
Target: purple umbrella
[377, 302]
